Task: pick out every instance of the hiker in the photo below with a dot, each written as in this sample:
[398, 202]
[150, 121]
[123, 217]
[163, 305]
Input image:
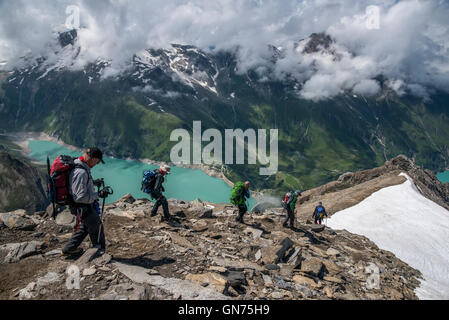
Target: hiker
[319, 213]
[156, 192]
[85, 203]
[289, 204]
[239, 193]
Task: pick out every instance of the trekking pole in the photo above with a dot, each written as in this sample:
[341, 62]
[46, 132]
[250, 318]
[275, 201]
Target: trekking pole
[107, 191]
[50, 191]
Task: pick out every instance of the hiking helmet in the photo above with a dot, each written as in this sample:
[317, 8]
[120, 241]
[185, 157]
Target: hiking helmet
[298, 192]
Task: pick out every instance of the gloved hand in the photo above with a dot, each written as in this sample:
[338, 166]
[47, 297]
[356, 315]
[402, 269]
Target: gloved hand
[97, 207]
[102, 194]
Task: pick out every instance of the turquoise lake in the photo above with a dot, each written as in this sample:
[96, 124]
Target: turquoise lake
[443, 176]
[125, 176]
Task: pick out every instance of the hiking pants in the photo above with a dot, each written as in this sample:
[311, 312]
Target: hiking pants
[318, 219]
[161, 201]
[290, 216]
[242, 210]
[90, 225]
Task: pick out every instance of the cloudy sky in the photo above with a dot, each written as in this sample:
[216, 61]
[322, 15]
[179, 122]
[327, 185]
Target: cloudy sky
[407, 41]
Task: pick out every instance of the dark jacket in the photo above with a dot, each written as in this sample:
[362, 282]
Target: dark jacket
[315, 212]
[158, 188]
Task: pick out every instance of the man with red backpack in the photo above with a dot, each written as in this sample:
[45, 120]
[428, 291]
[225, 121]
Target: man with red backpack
[319, 213]
[84, 203]
[289, 204]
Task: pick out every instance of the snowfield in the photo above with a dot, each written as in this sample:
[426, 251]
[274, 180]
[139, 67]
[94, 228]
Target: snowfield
[401, 220]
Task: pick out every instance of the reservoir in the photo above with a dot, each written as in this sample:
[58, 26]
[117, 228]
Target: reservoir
[125, 176]
[443, 176]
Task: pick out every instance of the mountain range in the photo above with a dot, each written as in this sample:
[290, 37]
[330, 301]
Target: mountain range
[131, 113]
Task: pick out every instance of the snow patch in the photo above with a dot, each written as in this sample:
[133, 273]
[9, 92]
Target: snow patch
[401, 220]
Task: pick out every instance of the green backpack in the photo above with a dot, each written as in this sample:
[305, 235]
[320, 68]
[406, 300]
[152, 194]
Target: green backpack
[236, 193]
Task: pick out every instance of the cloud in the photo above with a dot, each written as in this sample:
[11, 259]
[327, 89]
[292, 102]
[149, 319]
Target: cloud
[411, 44]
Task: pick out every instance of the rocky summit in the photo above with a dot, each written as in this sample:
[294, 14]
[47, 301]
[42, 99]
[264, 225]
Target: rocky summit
[205, 254]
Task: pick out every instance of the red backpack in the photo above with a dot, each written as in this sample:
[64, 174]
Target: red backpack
[58, 180]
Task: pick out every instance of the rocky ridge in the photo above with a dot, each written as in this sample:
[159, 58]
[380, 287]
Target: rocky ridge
[204, 254]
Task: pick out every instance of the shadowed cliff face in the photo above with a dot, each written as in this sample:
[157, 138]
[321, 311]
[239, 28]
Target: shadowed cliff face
[22, 186]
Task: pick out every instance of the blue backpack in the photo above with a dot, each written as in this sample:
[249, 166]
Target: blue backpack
[320, 212]
[148, 181]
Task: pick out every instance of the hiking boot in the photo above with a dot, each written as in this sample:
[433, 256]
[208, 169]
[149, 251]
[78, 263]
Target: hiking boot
[284, 225]
[168, 218]
[153, 214]
[72, 252]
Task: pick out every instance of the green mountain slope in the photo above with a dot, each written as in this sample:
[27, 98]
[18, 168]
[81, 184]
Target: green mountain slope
[133, 114]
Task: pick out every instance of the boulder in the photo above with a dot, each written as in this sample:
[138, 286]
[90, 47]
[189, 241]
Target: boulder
[294, 257]
[304, 290]
[15, 221]
[332, 279]
[49, 278]
[87, 257]
[126, 292]
[89, 271]
[313, 266]
[18, 251]
[28, 292]
[211, 280]
[102, 260]
[182, 241]
[236, 279]
[256, 233]
[128, 198]
[206, 213]
[199, 226]
[318, 227]
[20, 213]
[269, 254]
[262, 206]
[122, 213]
[331, 267]
[65, 218]
[332, 252]
[49, 210]
[258, 255]
[329, 292]
[281, 283]
[267, 280]
[276, 254]
[304, 281]
[272, 266]
[185, 289]
[218, 269]
[237, 265]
